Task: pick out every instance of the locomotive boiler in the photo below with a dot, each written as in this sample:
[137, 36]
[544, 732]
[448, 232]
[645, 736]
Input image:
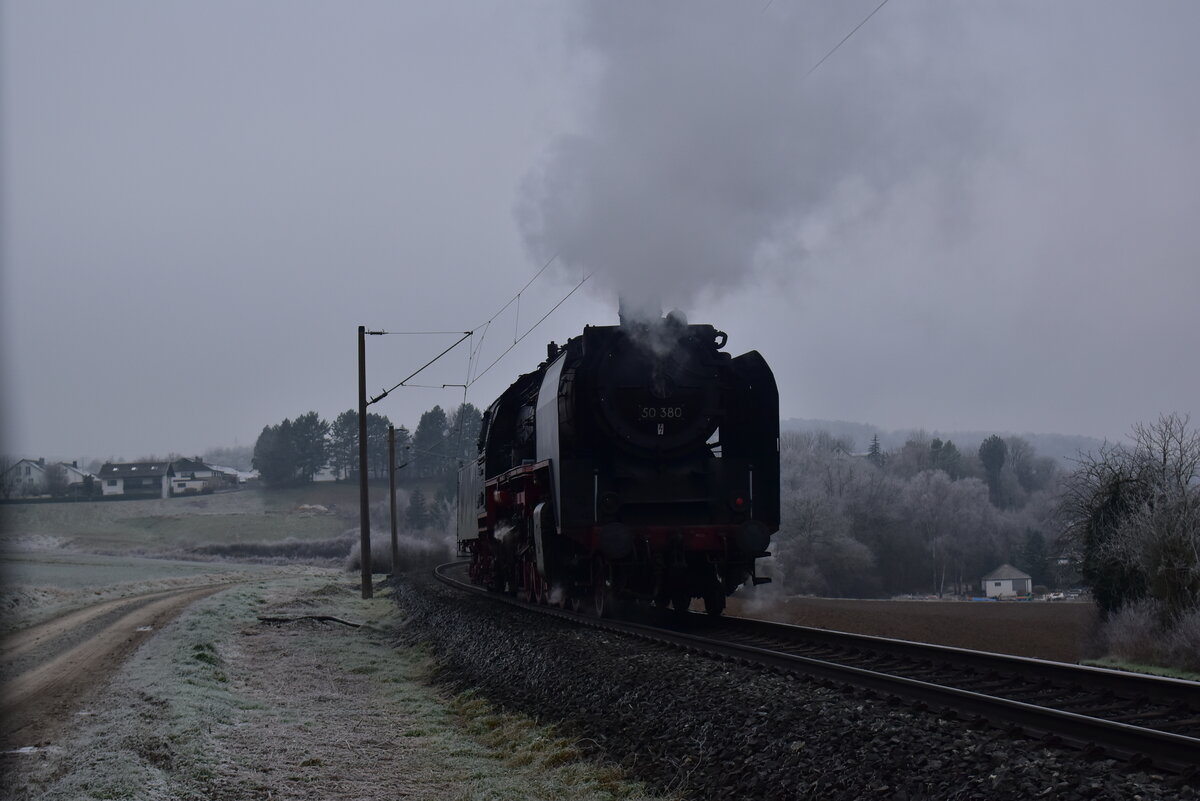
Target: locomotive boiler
[638, 464]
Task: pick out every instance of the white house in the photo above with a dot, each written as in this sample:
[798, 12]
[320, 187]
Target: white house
[146, 479]
[73, 474]
[230, 475]
[1007, 582]
[192, 476]
[30, 477]
[26, 477]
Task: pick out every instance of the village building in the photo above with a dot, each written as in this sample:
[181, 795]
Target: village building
[142, 479]
[33, 478]
[192, 477]
[26, 477]
[232, 476]
[1007, 582]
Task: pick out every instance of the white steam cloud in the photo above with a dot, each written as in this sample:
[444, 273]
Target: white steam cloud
[710, 159]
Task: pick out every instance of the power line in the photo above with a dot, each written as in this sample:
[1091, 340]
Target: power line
[844, 39]
[476, 351]
[385, 393]
[539, 272]
[415, 333]
[530, 331]
[467, 334]
[516, 298]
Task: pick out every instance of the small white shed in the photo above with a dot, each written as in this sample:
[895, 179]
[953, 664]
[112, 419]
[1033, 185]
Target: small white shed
[1007, 582]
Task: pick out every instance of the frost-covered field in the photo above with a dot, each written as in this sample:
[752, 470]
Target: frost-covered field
[220, 706]
[159, 526]
[58, 557]
[68, 569]
[44, 584]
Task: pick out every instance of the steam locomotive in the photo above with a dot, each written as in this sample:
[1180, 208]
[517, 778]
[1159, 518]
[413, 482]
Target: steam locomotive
[638, 464]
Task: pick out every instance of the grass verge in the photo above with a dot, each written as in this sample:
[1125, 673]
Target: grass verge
[1112, 663]
[220, 706]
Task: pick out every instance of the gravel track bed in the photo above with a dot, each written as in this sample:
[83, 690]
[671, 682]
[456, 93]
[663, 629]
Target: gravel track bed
[714, 730]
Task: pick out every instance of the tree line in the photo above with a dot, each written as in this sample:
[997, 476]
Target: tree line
[929, 518]
[924, 518]
[296, 450]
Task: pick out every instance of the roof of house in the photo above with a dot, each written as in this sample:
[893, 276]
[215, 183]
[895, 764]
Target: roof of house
[1006, 571]
[193, 465]
[135, 470]
[32, 462]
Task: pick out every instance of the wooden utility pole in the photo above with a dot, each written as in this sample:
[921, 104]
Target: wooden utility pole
[392, 483]
[364, 502]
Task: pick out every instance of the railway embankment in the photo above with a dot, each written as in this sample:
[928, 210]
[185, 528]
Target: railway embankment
[709, 730]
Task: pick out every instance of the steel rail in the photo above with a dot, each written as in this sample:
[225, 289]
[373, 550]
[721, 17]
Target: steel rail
[1140, 745]
[1122, 683]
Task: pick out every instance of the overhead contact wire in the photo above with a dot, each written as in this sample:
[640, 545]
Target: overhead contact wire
[534, 326]
[475, 352]
[385, 393]
[845, 38]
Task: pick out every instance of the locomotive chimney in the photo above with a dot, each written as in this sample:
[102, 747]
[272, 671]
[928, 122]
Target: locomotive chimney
[551, 351]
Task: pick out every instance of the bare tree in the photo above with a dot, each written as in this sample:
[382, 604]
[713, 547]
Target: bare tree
[1133, 514]
[1162, 534]
[57, 480]
[914, 457]
[950, 516]
[6, 464]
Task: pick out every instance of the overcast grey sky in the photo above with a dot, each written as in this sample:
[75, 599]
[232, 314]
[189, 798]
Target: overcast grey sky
[971, 216]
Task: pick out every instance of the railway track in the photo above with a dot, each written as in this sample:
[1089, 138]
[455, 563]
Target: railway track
[1145, 720]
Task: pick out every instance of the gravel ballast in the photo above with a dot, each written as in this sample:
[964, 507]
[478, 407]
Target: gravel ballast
[712, 730]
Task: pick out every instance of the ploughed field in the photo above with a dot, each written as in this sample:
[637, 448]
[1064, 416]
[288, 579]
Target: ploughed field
[1057, 630]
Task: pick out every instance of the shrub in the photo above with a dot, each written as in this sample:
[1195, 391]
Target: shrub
[318, 552]
[1130, 634]
[1181, 645]
[413, 550]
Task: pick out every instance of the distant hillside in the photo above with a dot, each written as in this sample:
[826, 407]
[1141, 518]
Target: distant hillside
[1064, 447]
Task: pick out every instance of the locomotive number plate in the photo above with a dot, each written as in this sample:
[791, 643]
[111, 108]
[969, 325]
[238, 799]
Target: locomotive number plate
[660, 413]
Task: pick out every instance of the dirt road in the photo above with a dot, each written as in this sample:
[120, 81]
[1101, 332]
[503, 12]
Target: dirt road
[48, 669]
[224, 704]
